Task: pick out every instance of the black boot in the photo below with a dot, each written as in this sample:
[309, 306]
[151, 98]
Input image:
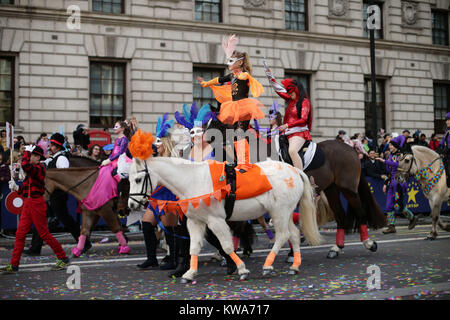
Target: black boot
[212, 239]
[182, 251]
[150, 245]
[171, 263]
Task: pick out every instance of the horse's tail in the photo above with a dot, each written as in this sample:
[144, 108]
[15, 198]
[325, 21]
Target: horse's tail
[308, 212]
[375, 217]
[324, 212]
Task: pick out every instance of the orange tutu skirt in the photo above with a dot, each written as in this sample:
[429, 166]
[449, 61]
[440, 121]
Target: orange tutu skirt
[240, 110]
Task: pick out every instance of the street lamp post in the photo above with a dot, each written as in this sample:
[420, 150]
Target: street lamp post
[373, 23]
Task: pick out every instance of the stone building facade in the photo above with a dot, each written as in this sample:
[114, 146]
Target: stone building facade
[159, 47]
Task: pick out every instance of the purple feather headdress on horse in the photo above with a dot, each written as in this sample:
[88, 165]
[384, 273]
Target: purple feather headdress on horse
[192, 117]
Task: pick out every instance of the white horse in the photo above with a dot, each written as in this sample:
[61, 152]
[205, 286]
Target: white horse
[420, 159]
[187, 179]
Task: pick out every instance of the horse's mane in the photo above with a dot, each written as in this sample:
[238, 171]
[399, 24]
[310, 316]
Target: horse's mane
[425, 150]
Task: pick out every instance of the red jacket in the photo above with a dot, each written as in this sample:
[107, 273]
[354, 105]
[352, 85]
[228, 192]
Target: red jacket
[291, 117]
[434, 144]
[34, 183]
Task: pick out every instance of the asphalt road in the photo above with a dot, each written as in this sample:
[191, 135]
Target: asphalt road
[410, 268]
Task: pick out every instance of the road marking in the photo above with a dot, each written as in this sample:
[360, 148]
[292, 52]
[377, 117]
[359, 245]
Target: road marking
[383, 294]
[349, 244]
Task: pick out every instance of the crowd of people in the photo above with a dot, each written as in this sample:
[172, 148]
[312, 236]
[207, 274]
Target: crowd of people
[368, 152]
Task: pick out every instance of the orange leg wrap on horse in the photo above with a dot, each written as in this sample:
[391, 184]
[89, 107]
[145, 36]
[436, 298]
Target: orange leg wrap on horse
[270, 259]
[236, 259]
[297, 260]
[194, 262]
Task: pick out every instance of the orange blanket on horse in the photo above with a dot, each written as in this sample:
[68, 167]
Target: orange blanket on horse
[249, 184]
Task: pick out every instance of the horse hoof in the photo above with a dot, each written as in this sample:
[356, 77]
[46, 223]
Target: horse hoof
[374, 247]
[332, 254]
[430, 238]
[123, 250]
[185, 281]
[292, 272]
[76, 252]
[266, 272]
[243, 276]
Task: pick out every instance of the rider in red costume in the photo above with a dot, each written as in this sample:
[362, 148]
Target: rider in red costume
[298, 116]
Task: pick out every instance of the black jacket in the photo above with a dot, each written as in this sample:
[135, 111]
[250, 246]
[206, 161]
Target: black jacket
[81, 139]
[374, 170]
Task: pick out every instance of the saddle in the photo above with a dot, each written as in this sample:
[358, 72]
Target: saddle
[311, 154]
[244, 184]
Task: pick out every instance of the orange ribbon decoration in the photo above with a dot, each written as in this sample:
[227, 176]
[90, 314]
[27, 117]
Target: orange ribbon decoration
[180, 207]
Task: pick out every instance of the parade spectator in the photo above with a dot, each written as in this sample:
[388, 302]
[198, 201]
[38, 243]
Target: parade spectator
[384, 145]
[43, 142]
[365, 143]
[81, 137]
[5, 173]
[341, 135]
[3, 140]
[95, 152]
[422, 140]
[19, 143]
[434, 142]
[373, 168]
[108, 149]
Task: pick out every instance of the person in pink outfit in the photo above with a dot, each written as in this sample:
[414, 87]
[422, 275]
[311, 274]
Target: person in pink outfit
[105, 187]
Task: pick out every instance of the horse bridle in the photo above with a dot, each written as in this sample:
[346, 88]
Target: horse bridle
[408, 172]
[144, 191]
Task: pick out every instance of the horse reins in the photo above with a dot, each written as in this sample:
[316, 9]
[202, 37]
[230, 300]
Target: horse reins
[144, 191]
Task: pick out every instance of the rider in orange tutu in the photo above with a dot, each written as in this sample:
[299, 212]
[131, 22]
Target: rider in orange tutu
[236, 107]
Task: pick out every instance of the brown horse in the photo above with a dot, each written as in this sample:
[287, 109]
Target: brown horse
[78, 182]
[340, 173]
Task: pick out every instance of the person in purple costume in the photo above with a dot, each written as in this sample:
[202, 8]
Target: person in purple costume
[396, 186]
[444, 148]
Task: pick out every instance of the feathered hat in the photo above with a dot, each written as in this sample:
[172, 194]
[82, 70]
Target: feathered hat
[140, 145]
[229, 45]
[192, 117]
[274, 110]
[162, 128]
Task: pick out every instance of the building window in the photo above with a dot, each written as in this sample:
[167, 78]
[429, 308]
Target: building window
[6, 90]
[6, 1]
[439, 22]
[108, 6]
[296, 14]
[107, 93]
[380, 105]
[377, 33]
[208, 10]
[204, 95]
[441, 105]
[302, 78]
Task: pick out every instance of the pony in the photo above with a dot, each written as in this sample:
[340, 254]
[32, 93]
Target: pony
[426, 165]
[78, 182]
[290, 187]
